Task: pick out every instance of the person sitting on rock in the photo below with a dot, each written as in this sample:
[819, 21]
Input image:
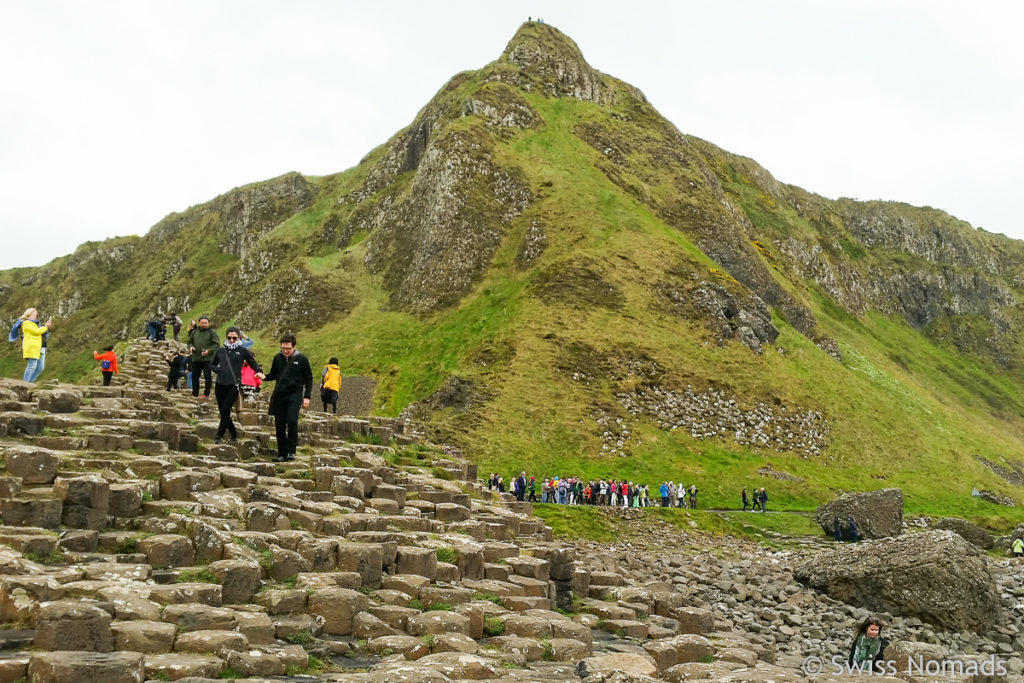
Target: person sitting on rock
[868, 648]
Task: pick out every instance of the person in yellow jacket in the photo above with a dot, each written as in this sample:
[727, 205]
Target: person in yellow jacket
[330, 385]
[33, 342]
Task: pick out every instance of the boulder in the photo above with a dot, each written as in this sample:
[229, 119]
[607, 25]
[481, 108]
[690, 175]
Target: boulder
[970, 533]
[59, 400]
[60, 667]
[32, 465]
[631, 664]
[879, 514]
[338, 607]
[935, 576]
[72, 625]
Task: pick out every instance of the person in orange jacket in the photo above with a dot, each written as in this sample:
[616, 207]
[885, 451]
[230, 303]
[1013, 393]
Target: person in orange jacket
[108, 363]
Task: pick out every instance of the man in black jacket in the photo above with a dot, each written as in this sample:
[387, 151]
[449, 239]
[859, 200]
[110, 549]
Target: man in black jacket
[294, 377]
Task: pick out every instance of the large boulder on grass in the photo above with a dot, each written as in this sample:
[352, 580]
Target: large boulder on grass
[879, 514]
[935, 576]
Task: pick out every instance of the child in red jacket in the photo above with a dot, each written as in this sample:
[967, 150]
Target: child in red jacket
[108, 363]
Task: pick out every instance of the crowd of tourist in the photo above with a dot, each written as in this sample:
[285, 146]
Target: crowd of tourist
[609, 492]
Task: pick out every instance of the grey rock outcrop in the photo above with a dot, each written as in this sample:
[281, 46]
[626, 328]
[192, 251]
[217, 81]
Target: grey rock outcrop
[879, 514]
[935, 576]
[969, 532]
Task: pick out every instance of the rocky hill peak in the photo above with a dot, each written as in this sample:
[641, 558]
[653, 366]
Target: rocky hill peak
[551, 63]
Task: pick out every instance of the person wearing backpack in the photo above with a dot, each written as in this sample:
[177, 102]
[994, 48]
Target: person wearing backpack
[108, 364]
[227, 363]
[33, 342]
[330, 385]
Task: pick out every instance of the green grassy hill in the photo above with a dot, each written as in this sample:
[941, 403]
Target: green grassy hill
[555, 278]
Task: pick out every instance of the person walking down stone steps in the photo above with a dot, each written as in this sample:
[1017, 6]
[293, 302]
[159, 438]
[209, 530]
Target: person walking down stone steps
[294, 377]
[178, 367]
[33, 342]
[108, 364]
[330, 386]
[203, 343]
[227, 363]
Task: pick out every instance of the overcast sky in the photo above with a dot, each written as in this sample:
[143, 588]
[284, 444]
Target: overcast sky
[114, 114]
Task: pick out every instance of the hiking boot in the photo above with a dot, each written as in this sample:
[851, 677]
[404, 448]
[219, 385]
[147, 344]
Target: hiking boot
[280, 458]
[291, 456]
[219, 439]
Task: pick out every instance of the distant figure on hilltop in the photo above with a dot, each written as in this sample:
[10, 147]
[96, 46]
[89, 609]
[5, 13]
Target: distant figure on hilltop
[108, 364]
[33, 342]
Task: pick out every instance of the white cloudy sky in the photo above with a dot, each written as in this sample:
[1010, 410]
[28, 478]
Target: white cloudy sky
[114, 114]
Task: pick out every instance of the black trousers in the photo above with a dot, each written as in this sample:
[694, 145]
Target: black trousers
[203, 367]
[226, 396]
[107, 374]
[286, 423]
[172, 380]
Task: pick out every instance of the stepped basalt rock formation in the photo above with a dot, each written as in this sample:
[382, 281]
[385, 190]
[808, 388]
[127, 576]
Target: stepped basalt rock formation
[133, 547]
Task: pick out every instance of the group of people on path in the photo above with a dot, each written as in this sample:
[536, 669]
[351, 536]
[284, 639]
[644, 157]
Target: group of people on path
[852, 533]
[237, 370]
[611, 492]
[604, 492]
[759, 501]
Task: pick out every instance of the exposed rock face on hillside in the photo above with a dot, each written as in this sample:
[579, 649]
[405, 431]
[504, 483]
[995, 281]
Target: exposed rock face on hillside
[936, 576]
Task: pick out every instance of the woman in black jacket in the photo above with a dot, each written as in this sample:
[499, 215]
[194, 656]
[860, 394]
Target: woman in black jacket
[227, 363]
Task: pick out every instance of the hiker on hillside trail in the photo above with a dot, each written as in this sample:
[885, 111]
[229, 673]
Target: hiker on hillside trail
[745, 498]
[837, 529]
[330, 386]
[108, 363]
[854, 533]
[868, 645]
[294, 377]
[227, 363]
[1017, 548]
[33, 342]
[203, 343]
[693, 496]
[763, 499]
[755, 503]
[533, 490]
